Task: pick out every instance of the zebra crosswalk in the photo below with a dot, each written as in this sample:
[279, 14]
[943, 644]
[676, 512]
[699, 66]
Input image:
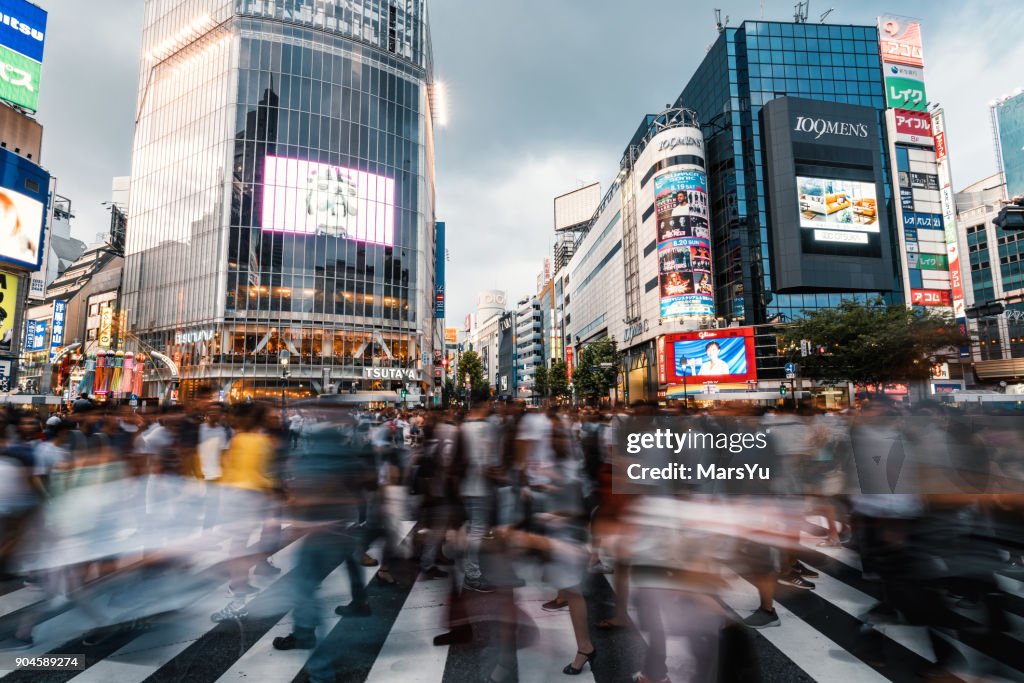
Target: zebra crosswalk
[817, 638]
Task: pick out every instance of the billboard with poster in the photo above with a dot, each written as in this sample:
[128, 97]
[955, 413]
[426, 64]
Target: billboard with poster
[725, 355]
[8, 308]
[914, 127]
[24, 190]
[308, 197]
[838, 212]
[684, 244]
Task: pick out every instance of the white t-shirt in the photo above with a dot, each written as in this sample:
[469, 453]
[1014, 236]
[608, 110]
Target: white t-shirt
[47, 454]
[536, 428]
[213, 441]
[479, 441]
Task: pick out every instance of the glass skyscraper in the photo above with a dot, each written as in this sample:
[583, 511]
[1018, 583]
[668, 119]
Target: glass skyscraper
[282, 197]
[746, 67]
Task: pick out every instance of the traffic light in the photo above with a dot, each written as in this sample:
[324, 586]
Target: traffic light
[404, 394]
[783, 389]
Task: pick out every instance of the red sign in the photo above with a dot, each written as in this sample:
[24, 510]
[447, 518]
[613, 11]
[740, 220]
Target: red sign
[930, 297]
[913, 126]
[900, 41]
[725, 355]
[940, 146]
[662, 372]
[568, 362]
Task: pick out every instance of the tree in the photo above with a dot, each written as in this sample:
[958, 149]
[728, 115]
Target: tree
[558, 379]
[540, 381]
[590, 379]
[472, 369]
[871, 343]
[449, 392]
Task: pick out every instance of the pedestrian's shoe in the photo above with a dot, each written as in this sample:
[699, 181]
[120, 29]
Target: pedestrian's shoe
[435, 573]
[295, 641]
[591, 656]
[479, 584]
[796, 581]
[459, 634]
[804, 571]
[354, 609]
[762, 618]
[554, 605]
[233, 610]
[242, 590]
[266, 568]
[369, 561]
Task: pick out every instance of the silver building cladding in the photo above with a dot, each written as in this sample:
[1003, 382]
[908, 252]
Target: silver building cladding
[282, 195]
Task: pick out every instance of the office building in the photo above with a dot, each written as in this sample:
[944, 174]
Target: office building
[1008, 126]
[529, 346]
[282, 220]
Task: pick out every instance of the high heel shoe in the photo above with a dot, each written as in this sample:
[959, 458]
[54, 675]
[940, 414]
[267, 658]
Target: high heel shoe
[570, 670]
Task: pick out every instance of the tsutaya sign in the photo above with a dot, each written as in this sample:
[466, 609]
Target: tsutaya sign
[193, 336]
[390, 373]
[819, 127]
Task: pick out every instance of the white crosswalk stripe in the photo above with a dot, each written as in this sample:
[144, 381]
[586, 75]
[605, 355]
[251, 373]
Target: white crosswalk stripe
[407, 652]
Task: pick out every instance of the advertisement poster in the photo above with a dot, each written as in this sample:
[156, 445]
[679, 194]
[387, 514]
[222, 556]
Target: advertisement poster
[900, 40]
[711, 356]
[684, 244]
[307, 197]
[21, 223]
[8, 305]
[838, 212]
[930, 297]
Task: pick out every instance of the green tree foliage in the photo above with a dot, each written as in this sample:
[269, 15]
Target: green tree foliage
[558, 379]
[471, 369]
[541, 381]
[869, 343]
[590, 379]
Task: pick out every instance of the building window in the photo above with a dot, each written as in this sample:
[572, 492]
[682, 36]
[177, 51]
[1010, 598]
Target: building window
[94, 309]
[90, 334]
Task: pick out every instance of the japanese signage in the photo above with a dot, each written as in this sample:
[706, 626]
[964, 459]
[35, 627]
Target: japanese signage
[22, 36]
[932, 262]
[106, 326]
[60, 309]
[900, 41]
[949, 218]
[930, 297]
[684, 244]
[914, 127]
[36, 338]
[905, 93]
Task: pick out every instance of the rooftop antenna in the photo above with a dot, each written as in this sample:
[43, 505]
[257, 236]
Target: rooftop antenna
[718, 20]
[800, 11]
[823, 17]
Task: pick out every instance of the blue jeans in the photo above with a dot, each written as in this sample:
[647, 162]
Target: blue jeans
[323, 550]
[478, 516]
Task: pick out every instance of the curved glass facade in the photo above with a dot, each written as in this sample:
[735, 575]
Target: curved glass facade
[282, 195]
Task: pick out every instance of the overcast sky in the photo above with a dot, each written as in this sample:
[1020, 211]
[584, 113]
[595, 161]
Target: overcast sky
[543, 96]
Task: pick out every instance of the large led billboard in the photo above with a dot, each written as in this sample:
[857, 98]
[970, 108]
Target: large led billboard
[725, 355]
[837, 211]
[23, 194]
[684, 244]
[8, 307]
[307, 197]
[22, 36]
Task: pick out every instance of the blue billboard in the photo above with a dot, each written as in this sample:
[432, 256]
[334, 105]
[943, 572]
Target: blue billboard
[23, 28]
[439, 257]
[1010, 120]
[36, 338]
[24, 194]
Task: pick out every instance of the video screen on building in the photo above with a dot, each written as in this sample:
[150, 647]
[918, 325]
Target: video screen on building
[308, 197]
[684, 244]
[711, 356]
[21, 227]
[838, 212]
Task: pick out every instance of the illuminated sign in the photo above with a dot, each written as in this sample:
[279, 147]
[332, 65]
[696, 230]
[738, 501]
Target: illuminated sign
[106, 326]
[36, 339]
[60, 309]
[307, 197]
[820, 127]
[390, 373]
[24, 189]
[725, 355]
[930, 297]
[684, 244]
[8, 307]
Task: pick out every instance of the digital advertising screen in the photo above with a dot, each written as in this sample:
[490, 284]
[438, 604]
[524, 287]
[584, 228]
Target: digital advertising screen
[838, 212]
[711, 356]
[8, 307]
[684, 245]
[312, 198]
[21, 227]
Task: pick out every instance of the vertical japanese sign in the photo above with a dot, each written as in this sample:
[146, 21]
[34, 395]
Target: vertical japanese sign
[8, 309]
[60, 309]
[439, 256]
[948, 200]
